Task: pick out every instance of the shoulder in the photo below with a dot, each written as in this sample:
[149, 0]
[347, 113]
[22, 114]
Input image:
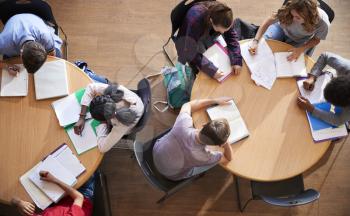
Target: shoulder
[324, 19]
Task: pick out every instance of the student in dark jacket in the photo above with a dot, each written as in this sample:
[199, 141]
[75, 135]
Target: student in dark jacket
[204, 22]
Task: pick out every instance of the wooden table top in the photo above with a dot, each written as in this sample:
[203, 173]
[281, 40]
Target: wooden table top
[29, 131]
[280, 145]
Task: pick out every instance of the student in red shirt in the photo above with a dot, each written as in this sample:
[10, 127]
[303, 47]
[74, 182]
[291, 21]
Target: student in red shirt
[76, 203]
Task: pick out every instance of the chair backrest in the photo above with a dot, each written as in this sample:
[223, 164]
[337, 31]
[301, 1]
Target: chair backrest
[179, 13]
[324, 6]
[101, 205]
[144, 92]
[289, 192]
[144, 156]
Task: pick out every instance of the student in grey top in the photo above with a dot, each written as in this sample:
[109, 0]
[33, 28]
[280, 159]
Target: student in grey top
[299, 23]
[336, 92]
[183, 152]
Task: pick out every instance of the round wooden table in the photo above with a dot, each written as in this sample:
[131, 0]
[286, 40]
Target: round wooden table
[280, 145]
[29, 131]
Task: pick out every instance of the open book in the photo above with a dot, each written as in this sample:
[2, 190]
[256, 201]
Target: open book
[51, 80]
[14, 85]
[87, 140]
[287, 68]
[67, 109]
[62, 157]
[231, 113]
[217, 54]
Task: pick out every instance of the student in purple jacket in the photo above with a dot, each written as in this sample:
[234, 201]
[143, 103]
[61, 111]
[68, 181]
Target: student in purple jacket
[204, 22]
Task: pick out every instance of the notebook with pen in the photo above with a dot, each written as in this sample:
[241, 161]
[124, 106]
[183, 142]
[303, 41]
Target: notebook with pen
[231, 113]
[321, 130]
[63, 164]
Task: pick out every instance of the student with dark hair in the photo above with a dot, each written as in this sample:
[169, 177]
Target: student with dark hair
[116, 107]
[27, 35]
[183, 153]
[336, 92]
[300, 23]
[204, 22]
[76, 203]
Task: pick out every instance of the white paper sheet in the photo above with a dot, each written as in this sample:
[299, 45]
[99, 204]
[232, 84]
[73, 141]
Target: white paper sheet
[315, 96]
[51, 80]
[261, 65]
[14, 85]
[69, 161]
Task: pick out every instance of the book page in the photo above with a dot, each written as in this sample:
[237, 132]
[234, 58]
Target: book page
[238, 130]
[261, 65]
[220, 59]
[316, 95]
[14, 85]
[39, 198]
[67, 110]
[51, 80]
[69, 161]
[286, 68]
[53, 191]
[229, 112]
[86, 141]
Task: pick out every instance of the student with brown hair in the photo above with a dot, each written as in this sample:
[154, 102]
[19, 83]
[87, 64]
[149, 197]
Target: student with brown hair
[204, 22]
[183, 152]
[300, 23]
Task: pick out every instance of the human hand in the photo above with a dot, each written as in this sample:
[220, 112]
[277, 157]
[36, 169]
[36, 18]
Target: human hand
[24, 207]
[309, 83]
[253, 46]
[12, 69]
[296, 52]
[218, 74]
[79, 126]
[223, 100]
[305, 104]
[47, 176]
[236, 69]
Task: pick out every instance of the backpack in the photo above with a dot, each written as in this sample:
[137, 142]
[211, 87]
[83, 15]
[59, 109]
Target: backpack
[178, 82]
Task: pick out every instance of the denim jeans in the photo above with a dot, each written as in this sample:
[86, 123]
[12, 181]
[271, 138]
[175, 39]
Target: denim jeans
[275, 32]
[88, 188]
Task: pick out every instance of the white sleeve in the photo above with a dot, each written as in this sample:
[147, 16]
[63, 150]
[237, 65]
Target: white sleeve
[91, 91]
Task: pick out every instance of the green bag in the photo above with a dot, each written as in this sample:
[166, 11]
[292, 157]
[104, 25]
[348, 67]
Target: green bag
[178, 82]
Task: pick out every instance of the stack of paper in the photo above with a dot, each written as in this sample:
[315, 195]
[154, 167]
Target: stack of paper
[68, 108]
[63, 164]
[217, 54]
[14, 85]
[231, 113]
[51, 80]
[261, 65]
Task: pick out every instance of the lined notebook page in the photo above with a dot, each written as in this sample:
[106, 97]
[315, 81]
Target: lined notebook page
[67, 159]
[51, 80]
[53, 191]
[86, 141]
[315, 96]
[287, 68]
[14, 85]
[220, 59]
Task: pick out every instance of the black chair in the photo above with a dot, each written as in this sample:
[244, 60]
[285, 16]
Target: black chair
[144, 156]
[39, 8]
[324, 6]
[144, 92]
[177, 15]
[285, 193]
[102, 206]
